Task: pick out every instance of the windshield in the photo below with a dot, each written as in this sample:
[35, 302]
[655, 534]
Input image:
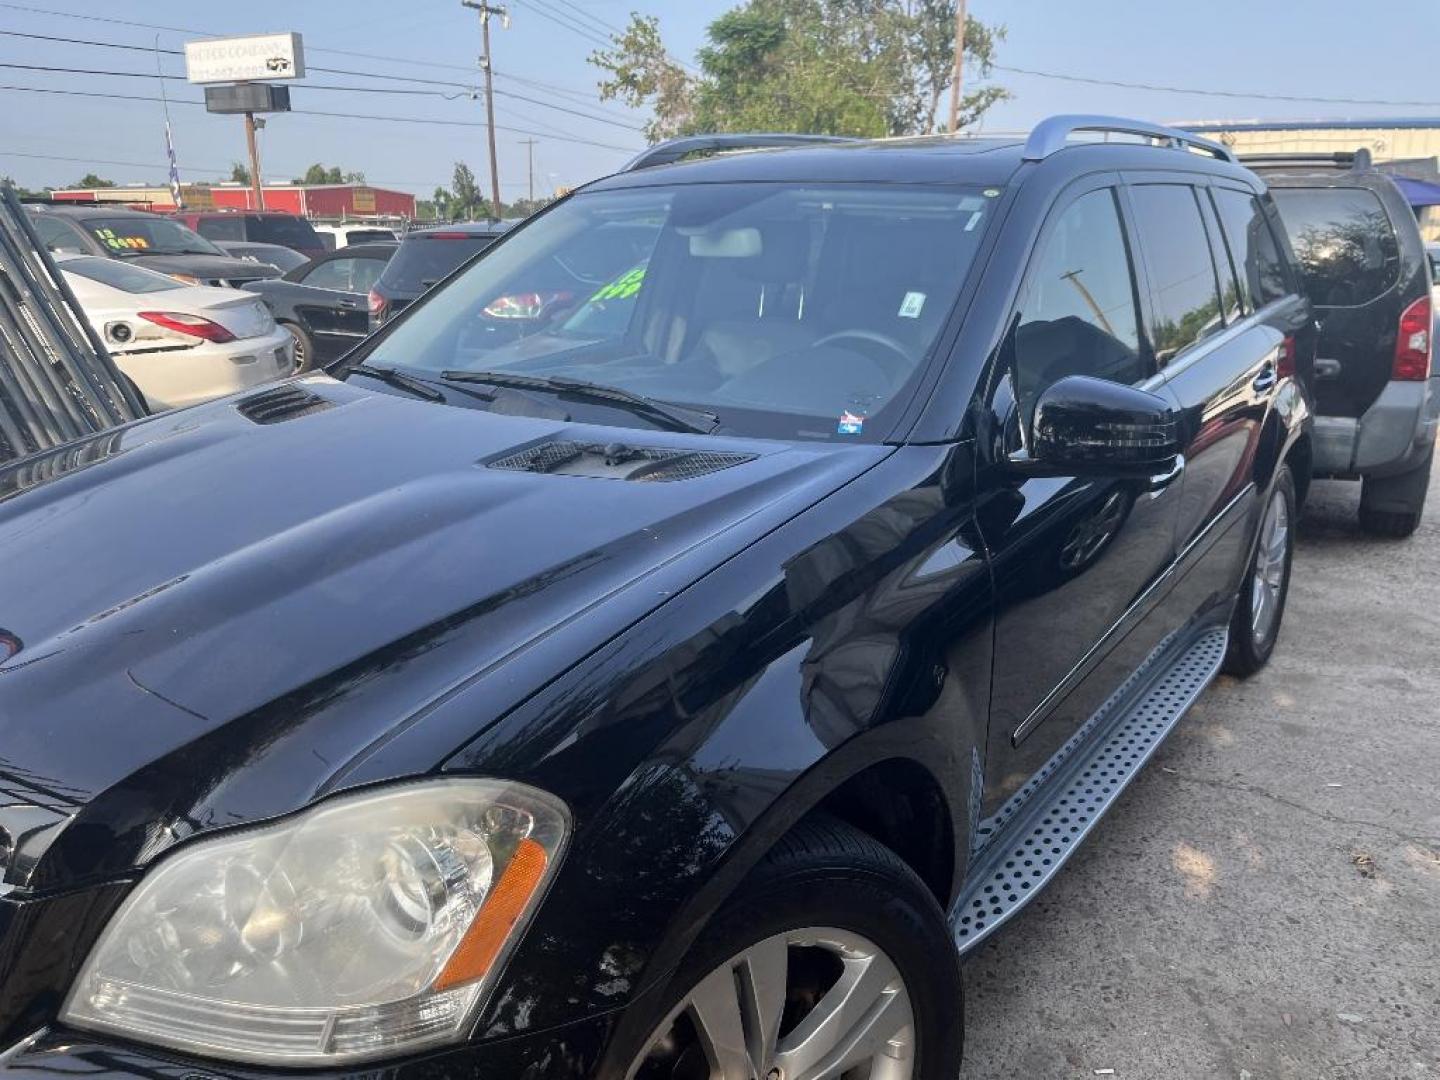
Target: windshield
[148, 236]
[118, 275]
[422, 260]
[788, 311]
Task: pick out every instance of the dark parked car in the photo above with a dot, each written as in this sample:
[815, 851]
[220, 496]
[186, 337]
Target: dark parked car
[426, 256]
[322, 303]
[1377, 396]
[282, 258]
[680, 701]
[149, 240]
[261, 226]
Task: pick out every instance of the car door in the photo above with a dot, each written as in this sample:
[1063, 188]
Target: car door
[331, 307]
[1077, 559]
[1224, 321]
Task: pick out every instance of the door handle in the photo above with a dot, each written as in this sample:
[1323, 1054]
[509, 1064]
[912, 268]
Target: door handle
[349, 303]
[1326, 367]
[1265, 380]
[1160, 483]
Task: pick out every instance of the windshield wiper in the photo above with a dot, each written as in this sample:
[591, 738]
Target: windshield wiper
[673, 417]
[396, 379]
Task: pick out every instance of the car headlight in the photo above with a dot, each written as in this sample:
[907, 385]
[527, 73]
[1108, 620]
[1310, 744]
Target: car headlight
[369, 925]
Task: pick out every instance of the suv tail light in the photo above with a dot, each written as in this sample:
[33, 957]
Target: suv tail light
[378, 304]
[192, 325]
[1412, 346]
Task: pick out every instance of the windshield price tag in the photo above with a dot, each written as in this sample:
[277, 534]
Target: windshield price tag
[850, 423]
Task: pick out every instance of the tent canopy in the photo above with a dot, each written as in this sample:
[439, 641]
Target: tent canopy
[1418, 192]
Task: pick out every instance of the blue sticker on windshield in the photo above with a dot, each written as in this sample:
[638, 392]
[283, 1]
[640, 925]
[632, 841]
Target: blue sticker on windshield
[850, 423]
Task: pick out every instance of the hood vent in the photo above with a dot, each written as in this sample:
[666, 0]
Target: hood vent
[281, 404]
[618, 461]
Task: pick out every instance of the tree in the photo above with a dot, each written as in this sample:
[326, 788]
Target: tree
[239, 174]
[90, 180]
[467, 202]
[843, 67]
[24, 192]
[319, 174]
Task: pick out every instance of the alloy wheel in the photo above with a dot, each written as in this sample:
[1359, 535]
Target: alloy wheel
[808, 1004]
[1267, 587]
[301, 360]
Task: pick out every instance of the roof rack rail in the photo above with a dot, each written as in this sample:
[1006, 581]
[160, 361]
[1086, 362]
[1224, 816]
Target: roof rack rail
[672, 150]
[1051, 134]
[1358, 160]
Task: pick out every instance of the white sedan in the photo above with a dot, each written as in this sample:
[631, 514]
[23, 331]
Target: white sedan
[180, 344]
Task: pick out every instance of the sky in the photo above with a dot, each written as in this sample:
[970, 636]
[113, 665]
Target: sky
[1245, 48]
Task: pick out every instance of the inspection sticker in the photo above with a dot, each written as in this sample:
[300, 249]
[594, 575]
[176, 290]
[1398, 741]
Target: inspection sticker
[850, 423]
[912, 305]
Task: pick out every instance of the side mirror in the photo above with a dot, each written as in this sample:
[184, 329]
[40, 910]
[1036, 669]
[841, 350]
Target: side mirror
[1088, 425]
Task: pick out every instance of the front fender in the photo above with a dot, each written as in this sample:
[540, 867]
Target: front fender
[858, 633]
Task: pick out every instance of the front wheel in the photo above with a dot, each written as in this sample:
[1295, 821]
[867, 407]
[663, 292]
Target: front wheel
[1260, 606]
[832, 961]
[304, 348]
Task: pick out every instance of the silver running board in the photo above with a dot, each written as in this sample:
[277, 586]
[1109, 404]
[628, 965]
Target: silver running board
[1023, 859]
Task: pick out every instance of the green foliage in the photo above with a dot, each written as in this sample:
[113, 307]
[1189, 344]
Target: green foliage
[90, 180]
[466, 202]
[841, 67]
[319, 174]
[239, 173]
[24, 192]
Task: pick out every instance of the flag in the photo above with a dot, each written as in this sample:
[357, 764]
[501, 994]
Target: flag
[174, 169]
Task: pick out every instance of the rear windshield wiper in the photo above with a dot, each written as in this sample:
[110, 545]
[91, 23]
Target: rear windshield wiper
[397, 379]
[673, 417]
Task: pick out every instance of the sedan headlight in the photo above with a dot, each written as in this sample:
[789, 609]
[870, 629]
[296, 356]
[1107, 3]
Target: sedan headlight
[369, 925]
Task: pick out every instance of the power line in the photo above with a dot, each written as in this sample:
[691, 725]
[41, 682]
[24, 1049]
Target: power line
[560, 19]
[1211, 93]
[466, 89]
[338, 115]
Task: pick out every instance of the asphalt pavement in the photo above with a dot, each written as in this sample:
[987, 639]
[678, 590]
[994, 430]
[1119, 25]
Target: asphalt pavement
[1264, 901]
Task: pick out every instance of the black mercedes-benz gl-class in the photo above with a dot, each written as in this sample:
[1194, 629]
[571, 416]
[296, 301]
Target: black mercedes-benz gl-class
[679, 682]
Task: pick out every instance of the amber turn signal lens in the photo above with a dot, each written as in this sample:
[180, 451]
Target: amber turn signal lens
[497, 917]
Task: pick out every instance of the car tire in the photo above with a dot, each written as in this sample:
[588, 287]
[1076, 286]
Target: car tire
[1392, 505]
[304, 348]
[828, 908]
[1260, 605]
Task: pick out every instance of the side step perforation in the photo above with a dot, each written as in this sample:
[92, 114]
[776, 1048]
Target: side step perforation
[1036, 844]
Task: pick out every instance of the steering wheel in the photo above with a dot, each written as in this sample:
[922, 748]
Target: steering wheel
[891, 355]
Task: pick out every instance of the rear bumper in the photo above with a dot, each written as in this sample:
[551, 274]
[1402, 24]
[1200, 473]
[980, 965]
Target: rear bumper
[172, 380]
[1393, 436]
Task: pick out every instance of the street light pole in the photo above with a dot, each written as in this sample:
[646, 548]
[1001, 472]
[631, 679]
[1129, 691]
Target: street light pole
[487, 9]
[959, 66]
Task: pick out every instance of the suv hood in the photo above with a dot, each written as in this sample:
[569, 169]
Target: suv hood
[192, 593]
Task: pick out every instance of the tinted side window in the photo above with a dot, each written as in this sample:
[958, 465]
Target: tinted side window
[1252, 247]
[334, 274]
[1077, 314]
[1182, 275]
[284, 229]
[221, 228]
[1344, 240]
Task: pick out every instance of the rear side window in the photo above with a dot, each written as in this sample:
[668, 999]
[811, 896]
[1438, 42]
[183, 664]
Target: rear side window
[1253, 250]
[421, 261]
[1344, 241]
[282, 229]
[1183, 289]
[57, 235]
[221, 228]
[1077, 315]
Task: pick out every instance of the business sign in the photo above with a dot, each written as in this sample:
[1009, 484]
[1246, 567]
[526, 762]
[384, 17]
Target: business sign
[365, 200]
[245, 59]
[247, 98]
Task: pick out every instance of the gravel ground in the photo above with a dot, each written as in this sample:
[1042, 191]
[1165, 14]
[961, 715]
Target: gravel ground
[1264, 901]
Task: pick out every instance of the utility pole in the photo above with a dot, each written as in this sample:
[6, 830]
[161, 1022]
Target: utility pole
[529, 145]
[959, 66]
[256, 191]
[487, 9]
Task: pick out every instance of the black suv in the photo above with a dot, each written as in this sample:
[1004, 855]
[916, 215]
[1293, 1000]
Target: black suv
[146, 239]
[424, 258]
[678, 690]
[1366, 271]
